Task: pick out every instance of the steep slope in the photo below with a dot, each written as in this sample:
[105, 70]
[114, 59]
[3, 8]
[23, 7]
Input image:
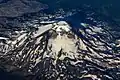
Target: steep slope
[59, 51]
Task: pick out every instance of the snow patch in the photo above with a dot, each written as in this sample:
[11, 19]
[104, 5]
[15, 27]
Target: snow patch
[62, 25]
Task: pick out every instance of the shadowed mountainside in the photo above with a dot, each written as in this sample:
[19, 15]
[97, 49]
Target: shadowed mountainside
[14, 8]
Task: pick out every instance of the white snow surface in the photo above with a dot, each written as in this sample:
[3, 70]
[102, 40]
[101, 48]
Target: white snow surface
[62, 25]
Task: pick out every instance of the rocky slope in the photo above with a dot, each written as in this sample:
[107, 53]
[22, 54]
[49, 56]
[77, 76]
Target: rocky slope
[62, 49]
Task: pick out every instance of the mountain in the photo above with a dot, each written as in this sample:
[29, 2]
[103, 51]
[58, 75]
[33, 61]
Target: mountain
[41, 43]
[64, 47]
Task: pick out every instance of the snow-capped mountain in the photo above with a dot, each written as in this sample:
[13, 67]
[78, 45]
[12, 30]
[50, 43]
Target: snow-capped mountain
[58, 51]
[59, 40]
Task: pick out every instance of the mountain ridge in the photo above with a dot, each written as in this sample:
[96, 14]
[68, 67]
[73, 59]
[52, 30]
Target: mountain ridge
[76, 45]
[56, 45]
